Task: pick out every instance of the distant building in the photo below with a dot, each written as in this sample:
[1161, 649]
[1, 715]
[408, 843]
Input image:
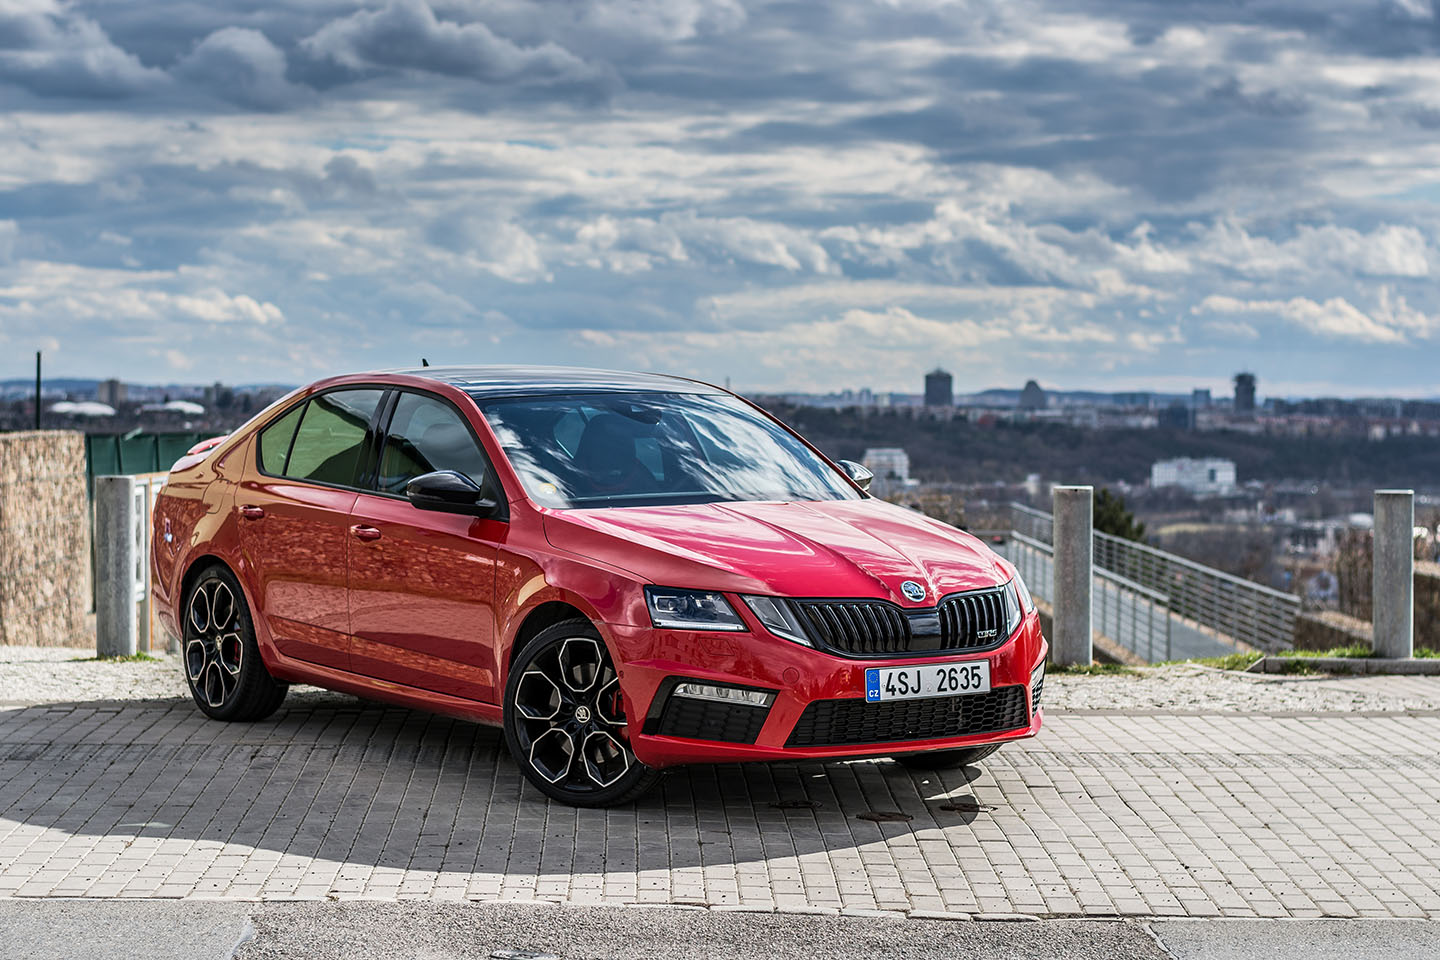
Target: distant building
[1244, 393]
[1032, 397]
[1200, 399]
[939, 389]
[889, 464]
[111, 393]
[1210, 475]
[1178, 416]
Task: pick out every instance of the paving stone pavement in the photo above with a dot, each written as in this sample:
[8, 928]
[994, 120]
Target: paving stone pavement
[1183, 814]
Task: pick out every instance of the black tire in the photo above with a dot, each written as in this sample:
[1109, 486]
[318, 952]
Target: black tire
[945, 759]
[563, 686]
[218, 653]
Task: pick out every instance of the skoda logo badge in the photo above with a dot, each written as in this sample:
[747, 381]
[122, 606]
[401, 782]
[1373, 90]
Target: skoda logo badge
[913, 591]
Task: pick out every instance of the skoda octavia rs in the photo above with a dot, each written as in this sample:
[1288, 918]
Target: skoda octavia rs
[625, 572]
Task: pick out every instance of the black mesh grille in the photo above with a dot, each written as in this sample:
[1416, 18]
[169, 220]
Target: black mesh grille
[870, 628]
[1035, 692]
[973, 620]
[827, 723]
[855, 626]
[709, 720]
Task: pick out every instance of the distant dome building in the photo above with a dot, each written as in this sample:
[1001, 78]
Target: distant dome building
[1032, 397]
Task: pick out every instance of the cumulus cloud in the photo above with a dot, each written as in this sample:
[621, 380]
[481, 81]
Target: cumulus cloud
[53, 51]
[1393, 322]
[243, 66]
[407, 35]
[9, 233]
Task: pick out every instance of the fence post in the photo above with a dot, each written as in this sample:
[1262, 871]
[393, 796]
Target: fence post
[1394, 584]
[116, 563]
[1074, 512]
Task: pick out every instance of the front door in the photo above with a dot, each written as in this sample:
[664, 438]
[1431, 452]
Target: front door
[422, 583]
[294, 518]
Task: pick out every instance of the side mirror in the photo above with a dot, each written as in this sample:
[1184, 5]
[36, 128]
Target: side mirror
[448, 491]
[859, 473]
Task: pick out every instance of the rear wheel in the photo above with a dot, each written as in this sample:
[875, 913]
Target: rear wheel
[565, 721]
[222, 661]
[945, 759]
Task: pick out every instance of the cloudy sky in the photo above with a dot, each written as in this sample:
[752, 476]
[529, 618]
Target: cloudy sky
[799, 195]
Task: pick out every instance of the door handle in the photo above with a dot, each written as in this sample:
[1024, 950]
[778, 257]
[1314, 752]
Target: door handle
[252, 513]
[363, 532]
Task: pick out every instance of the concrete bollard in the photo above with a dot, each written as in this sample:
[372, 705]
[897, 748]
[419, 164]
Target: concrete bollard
[116, 562]
[1074, 512]
[1394, 583]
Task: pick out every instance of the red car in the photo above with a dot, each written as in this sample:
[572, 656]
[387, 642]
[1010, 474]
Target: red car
[626, 572]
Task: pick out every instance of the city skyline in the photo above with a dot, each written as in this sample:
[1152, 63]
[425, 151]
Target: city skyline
[1108, 195]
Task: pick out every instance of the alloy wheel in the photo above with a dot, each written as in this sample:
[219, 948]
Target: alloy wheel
[214, 647]
[569, 717]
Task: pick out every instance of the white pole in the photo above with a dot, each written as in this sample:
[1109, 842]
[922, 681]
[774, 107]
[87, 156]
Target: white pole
[1074, 510]
[1394, 584]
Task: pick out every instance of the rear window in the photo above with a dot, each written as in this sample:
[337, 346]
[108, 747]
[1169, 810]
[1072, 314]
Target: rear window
[332, 434]
[275, 442]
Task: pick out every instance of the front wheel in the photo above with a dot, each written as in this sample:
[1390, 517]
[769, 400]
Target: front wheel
[945, 759]
[565, 721]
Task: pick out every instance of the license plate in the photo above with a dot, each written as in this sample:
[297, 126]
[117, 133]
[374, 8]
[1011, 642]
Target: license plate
[930, 680]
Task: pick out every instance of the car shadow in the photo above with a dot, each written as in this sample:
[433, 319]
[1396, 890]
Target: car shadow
[349, 781]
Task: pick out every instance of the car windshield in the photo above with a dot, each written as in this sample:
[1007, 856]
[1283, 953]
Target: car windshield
[633, 449]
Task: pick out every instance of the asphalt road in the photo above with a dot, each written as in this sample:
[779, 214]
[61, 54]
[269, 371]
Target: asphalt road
[359, 930]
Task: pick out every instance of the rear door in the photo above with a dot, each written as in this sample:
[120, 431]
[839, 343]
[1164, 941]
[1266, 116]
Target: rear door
[422, 583]
[294, 519]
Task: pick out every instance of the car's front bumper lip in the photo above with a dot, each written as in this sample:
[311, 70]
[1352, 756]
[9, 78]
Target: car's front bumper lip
[799, 675]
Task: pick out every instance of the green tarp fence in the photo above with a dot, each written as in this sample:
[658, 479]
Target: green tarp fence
[112, 454]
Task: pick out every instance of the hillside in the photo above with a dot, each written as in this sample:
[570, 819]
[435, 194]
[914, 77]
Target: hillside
[965, 452]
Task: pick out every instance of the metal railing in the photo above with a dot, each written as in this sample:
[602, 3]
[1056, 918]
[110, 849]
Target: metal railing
[1128, 613]
[1234, 609]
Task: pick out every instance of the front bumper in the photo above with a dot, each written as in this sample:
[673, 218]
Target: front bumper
[652, 661]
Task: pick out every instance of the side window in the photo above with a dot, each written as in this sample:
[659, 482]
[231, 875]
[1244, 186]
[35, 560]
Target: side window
[427, 434]
[275, 442]
[331, 436]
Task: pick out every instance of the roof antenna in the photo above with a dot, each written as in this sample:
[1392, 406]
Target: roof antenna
[424, 362]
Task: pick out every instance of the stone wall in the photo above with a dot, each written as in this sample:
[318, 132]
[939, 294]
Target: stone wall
[44, 540]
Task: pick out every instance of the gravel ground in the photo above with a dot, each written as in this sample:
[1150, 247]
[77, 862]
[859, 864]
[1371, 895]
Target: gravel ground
[58, 675]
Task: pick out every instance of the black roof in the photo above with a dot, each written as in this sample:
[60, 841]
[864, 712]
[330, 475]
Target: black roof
[495, 380]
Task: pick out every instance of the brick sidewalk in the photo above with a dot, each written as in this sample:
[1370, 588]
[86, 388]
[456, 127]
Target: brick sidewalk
[1171, 814]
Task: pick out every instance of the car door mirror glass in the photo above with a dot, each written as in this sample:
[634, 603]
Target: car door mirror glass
[859, 473]
[449, 491]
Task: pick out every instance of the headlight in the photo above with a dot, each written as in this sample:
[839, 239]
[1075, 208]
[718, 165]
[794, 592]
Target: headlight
[675, 609]
[1027, 602]
[1015, 610]
[777, 619]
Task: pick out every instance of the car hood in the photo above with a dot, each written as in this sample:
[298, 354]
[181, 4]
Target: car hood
[843, 548]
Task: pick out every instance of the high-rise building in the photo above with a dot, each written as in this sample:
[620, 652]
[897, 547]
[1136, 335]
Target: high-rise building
[1244, 393]
[1200, 399]
[111, 393]
[939, 389]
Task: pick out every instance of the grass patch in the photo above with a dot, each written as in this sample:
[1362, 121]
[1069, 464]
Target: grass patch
[1089, 669]
[1231, 661]
[132, 658]
[1355, 651]
[1425, 653]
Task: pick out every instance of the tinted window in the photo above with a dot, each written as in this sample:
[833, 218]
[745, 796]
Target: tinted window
[425, 435]
[633, 449]
[331, 435]
[275, 442]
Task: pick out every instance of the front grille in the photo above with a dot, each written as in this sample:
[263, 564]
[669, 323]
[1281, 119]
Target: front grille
[710, 720]
[829, 723]
[877, 628]
[1035, 693]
